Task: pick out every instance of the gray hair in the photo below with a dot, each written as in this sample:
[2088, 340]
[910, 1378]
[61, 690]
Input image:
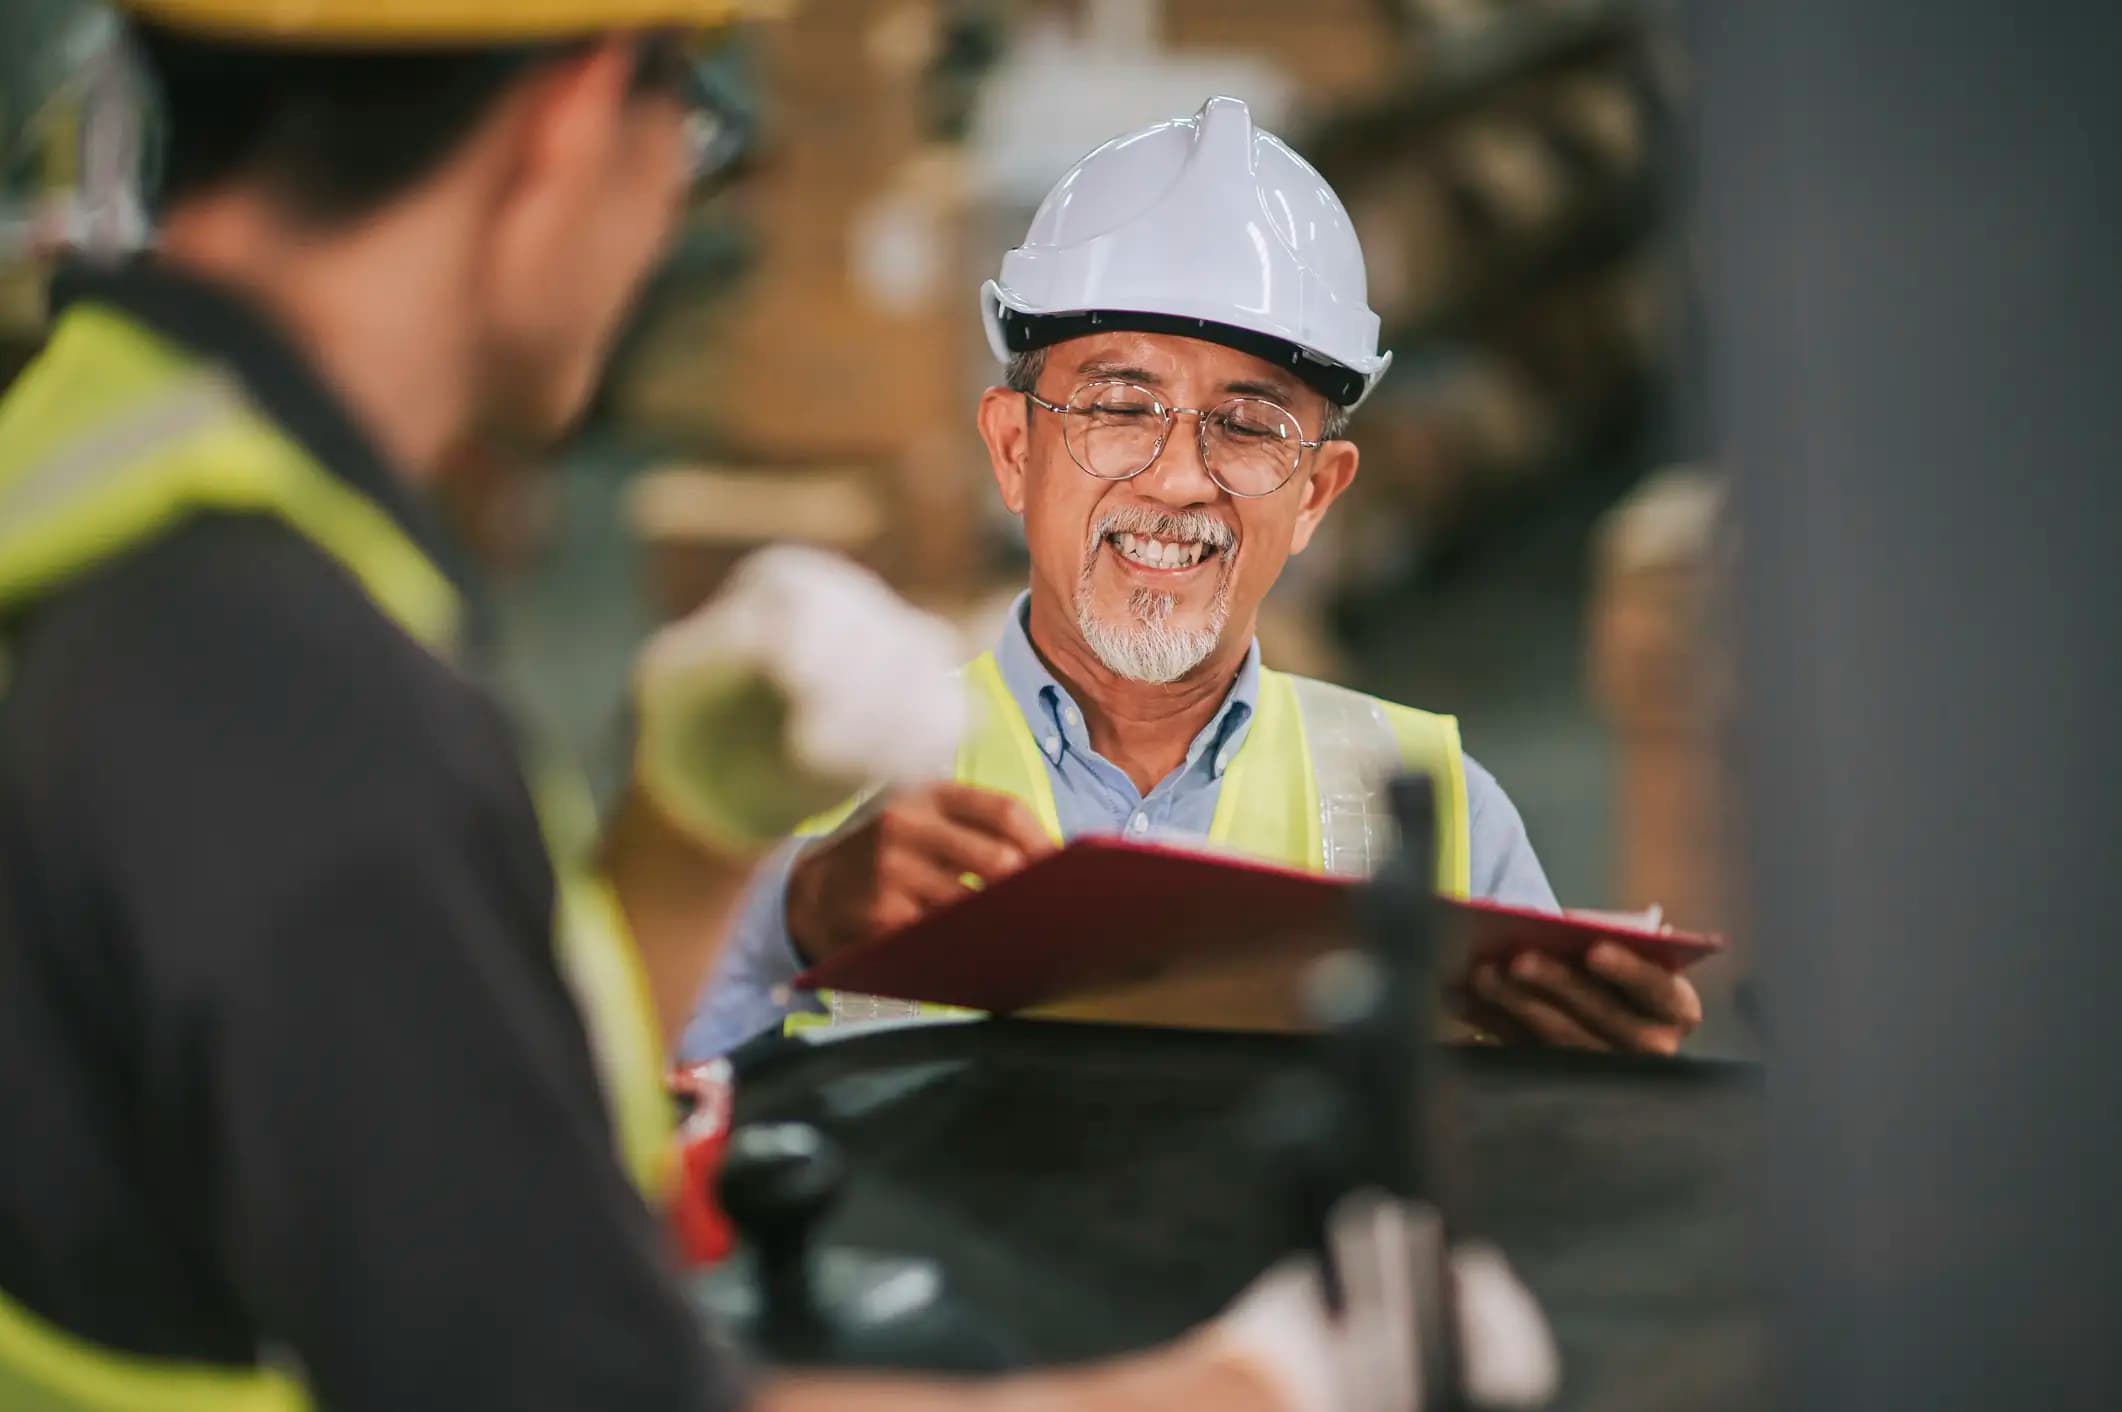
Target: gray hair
[1021, 373]
[1023, 370]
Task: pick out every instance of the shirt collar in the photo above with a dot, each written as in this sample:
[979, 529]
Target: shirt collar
[1057, 722]
[218, 325]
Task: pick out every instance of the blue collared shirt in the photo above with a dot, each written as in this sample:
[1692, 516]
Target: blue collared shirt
[1091, 793]
[750, 990]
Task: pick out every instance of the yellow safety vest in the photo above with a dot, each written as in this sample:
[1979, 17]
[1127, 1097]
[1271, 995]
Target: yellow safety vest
[1307, 788]
[114, 437]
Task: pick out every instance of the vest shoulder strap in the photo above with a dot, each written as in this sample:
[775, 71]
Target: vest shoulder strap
[594, 946]
[158, 441]
[1356, 743]
[1269, 804]
[999, 752]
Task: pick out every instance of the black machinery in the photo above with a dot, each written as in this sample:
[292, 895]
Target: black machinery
[973, 1196]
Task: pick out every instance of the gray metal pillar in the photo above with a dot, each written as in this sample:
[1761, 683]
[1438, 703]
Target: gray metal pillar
[1914, 218]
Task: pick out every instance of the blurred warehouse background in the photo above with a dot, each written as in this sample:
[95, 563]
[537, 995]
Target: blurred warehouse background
[1529, 545]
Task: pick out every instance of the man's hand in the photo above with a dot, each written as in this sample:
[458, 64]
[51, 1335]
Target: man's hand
[1283, 1346]
[1614, 1000]
[1363, 1356]
[903, 861]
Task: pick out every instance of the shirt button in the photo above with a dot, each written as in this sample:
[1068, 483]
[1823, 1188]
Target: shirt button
[1071, 717]
[1138, 824]
[1222, 761]
[1052, 744]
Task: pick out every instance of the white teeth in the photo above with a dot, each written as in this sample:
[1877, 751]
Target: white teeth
[1159, 553]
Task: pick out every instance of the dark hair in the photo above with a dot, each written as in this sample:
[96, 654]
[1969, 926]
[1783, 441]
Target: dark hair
[333, 133]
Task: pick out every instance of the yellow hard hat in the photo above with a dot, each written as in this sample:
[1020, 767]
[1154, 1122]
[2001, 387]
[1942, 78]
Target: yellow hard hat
[411, 23]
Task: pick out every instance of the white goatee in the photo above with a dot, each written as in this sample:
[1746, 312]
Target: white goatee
[1145, 647]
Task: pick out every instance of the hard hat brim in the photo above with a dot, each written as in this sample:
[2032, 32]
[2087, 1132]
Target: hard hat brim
[1025, 333]
[439, 23]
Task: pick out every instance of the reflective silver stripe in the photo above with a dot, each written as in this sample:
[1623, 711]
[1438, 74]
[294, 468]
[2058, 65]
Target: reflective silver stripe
[1354, 757]
[847, 1008]
[193, 405]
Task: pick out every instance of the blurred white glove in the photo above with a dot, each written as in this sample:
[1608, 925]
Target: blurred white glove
[1366, 1359]
[803, 680]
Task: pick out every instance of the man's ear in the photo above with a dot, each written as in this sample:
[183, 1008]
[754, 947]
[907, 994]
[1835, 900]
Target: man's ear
[1005, 425]
[561, 131]
[1333, 471]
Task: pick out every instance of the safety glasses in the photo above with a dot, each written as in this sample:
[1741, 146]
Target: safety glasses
[718, 129]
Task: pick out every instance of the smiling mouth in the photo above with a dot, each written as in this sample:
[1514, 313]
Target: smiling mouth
[1160, 554]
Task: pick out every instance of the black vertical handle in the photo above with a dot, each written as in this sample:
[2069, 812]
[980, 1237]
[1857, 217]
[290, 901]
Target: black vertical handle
[1386, 1028]
[1389, 1048]
[778, 1182]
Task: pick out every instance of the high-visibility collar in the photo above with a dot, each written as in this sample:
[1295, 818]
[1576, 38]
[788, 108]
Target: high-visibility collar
[114, 435]
[216, 327]
[1306, 788]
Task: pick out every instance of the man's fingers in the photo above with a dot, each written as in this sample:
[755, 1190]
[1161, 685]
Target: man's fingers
[1374, 1256]
[890, 912]
[1002, 816]
[962, 850]
[1479, 1022]
[1649, 987]
[1594, 1005]
[1544, 1021]
[947, 844]
[924, 882]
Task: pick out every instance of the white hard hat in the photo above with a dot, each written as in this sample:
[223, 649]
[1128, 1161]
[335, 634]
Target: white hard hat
[1202, 226]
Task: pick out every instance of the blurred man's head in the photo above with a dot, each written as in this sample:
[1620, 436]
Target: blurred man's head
[539, 182]
[1184, 330]
[1160, 562]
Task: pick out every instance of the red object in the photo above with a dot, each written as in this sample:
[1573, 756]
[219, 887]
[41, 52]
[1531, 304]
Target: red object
[1493, 932]
[1103, 912]
[703, 1231]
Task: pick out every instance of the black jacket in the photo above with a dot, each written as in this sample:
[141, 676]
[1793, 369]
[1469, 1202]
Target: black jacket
[286, 1063]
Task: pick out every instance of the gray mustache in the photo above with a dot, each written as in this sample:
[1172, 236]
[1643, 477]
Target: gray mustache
[1165, 524]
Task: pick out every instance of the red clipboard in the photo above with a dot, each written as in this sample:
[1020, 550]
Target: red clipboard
[1105, 918]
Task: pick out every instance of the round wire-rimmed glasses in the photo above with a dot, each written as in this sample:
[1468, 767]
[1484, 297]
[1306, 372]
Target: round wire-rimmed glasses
[1117, 430]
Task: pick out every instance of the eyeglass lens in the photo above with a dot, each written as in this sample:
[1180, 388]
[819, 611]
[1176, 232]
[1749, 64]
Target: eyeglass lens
[713, 136]
[708, 143]
[1248, 445]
